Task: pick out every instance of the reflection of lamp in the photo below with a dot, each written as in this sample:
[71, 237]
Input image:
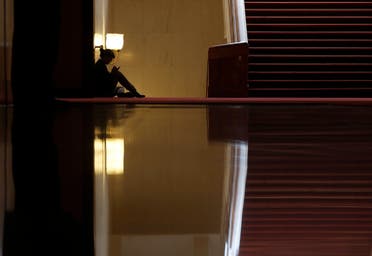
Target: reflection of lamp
[114, 156]
[109, 156]
[114, 41]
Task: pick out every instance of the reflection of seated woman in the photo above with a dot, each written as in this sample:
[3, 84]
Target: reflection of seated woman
[106, 83]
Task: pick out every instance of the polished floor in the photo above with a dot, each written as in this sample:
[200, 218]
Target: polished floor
[194, 180]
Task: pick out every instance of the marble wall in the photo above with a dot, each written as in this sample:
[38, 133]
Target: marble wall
[166, 43]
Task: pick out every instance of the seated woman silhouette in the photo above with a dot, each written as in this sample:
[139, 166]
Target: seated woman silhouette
[106, 82]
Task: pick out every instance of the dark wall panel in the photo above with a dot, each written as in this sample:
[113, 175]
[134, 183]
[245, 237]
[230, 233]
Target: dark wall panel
[6, 27]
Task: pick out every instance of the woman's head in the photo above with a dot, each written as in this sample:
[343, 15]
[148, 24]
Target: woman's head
[106, 55]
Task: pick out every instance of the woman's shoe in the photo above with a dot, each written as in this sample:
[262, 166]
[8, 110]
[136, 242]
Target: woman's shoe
[138, 95]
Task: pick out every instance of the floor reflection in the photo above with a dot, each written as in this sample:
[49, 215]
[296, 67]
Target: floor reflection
[309, 183]
[193, 180]
[6, 202]
[170, 189]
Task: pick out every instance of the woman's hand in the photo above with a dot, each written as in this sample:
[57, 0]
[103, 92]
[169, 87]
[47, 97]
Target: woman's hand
[115, 69]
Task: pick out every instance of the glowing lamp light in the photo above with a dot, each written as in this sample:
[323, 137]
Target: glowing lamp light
[114, 41]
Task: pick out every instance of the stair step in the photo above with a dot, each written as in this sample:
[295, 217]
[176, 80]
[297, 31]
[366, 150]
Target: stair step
[310, 26]
[267, 42]
[310, 34]
[312, 80]
[257, 90]
[252, 19]
[303, 58]
[312, 64]
[311, 55]
[312, 72]
[305, 11]
[338, 67]
[297, 1]
[310, 50]
[310, 75]
[308, 4]
[313, 83]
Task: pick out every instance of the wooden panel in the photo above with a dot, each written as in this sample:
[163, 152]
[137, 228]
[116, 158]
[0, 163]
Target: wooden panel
[228, 70]
[228, 123]
[6, 29]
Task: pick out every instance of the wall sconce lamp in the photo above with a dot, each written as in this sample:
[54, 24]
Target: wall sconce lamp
[114, 41]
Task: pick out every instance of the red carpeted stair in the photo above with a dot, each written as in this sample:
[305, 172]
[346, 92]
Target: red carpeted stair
[309, 45]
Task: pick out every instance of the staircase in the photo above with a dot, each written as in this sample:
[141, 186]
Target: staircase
[309, 46]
